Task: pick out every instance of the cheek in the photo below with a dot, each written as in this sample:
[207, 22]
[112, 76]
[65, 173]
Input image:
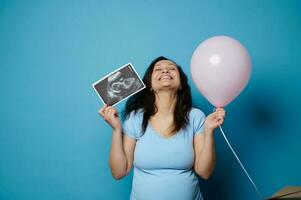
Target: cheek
[178, 77]
[153, 77]
[154, 84]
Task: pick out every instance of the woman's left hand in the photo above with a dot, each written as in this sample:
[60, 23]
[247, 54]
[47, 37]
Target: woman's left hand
[215, 119]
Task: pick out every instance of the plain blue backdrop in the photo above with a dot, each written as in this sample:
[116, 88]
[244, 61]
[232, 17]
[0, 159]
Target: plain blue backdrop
[53, 143]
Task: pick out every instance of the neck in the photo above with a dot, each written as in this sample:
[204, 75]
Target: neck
[165, 102]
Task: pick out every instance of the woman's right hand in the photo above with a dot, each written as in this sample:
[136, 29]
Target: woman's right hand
[111, 116]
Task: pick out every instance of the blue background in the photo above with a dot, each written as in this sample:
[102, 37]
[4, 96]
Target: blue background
[54, 145]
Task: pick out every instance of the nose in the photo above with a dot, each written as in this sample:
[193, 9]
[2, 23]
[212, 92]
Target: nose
[165, 70]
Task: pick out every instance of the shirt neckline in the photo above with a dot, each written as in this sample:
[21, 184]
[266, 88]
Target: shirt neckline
[159, 134]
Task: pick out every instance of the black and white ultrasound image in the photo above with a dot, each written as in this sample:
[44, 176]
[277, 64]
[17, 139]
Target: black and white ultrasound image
[119, 85]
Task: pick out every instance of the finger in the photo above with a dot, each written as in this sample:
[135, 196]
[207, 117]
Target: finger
[220, 118]
[107, 111]
[221, 115]
[115, 112]
[216, 124]
[102, 109]
[218, 113]
[111, 114]
[212, 116]
[116, 115]
[101, 112]
[221, 111]
[216, 119]
[110, 110]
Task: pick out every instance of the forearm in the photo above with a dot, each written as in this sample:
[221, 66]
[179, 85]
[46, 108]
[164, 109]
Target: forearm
[206, 162]
[118, 162]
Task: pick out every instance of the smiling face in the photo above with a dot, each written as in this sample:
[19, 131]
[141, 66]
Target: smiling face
[165, 75]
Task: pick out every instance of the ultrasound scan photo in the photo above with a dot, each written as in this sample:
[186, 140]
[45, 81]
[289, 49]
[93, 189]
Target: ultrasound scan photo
[118, 85]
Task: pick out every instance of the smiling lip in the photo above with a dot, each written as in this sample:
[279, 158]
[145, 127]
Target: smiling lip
[165, 77]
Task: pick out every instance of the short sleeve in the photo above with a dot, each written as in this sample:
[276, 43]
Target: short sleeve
[131, 125]
[198, 121]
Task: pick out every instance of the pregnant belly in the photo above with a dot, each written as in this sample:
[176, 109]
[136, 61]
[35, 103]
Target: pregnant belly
[165, 184]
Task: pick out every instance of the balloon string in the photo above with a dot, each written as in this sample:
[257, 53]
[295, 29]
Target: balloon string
[241, 163]
[258, 193]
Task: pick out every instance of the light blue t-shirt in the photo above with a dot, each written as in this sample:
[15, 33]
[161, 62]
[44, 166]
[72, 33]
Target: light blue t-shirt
[163, 167]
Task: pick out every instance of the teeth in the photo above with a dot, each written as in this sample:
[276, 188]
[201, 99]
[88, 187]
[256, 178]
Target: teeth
[165, 77]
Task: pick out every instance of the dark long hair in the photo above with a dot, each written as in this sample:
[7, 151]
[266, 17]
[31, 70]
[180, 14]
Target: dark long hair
[145, 99]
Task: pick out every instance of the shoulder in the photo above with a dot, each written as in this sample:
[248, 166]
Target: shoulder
[132, 124]
[135, 117]
[196, 113]
[196, 120]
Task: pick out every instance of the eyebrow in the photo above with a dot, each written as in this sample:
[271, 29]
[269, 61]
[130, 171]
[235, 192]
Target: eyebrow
[171, 63]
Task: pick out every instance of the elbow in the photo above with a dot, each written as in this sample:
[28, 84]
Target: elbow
[118, 176]
[117, 172]
[204, 174]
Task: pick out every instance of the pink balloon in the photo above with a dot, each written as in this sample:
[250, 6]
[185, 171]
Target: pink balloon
[220, 68]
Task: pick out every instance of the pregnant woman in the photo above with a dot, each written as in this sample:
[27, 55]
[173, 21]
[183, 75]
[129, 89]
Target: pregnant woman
[168, 142]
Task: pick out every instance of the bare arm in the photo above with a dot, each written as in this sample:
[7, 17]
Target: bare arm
[121, 154]
[204, 146]
[122, 147]
[204, 154]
